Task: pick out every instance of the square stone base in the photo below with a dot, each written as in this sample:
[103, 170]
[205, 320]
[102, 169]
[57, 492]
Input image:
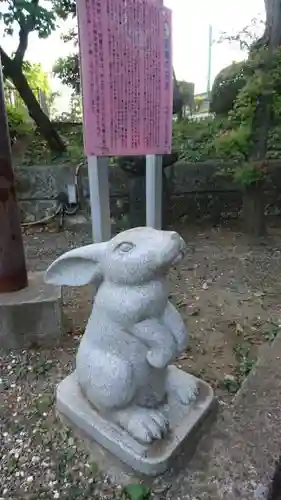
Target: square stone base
[31, 316]
[111, 446]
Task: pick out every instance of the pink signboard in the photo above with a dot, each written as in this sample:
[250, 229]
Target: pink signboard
[126, 66]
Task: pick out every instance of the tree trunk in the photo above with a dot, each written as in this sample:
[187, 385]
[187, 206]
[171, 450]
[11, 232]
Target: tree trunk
[13, 274]
[177, 97]
[14, 72]
[253, 210]
[273, 17]
[253, 201]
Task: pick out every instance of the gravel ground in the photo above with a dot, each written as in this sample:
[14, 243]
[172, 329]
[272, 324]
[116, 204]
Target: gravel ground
[228, 291]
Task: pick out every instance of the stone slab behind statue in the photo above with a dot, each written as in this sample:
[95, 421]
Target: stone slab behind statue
[32, 316]
[197, 191]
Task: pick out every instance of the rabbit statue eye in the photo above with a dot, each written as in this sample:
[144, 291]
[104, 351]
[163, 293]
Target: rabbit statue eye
[125, 247]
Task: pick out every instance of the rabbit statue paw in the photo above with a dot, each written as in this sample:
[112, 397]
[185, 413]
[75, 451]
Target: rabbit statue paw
[134, 333]
[143, 424]
[178, 387]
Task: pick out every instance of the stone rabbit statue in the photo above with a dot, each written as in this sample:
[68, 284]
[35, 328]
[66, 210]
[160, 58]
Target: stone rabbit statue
[134, 332]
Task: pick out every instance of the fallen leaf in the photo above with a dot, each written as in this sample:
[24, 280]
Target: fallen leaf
[137, 491]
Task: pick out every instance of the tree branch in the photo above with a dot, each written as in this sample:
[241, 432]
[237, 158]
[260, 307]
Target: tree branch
[25, 29]
[6, 60]
[272, 36]
[23, 43]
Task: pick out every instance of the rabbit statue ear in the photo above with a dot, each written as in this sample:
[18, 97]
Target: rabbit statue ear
[77, 267]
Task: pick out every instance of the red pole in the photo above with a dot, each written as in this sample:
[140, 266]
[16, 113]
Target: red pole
[13, 274]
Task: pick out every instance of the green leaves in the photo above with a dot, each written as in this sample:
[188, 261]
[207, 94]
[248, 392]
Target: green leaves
[194, 140]
[36, 77]
[259, 82]
[249, 174]
[232, 143]
[19, 125]
[67, 70]
[64, 8]
[226, 86]
[137, 491]
[29, 15]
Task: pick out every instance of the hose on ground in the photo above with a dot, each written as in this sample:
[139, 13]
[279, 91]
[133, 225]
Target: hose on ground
[45, 220]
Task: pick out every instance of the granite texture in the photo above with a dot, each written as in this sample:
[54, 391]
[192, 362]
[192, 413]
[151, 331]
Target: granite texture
[31, 316]
[134, 332]
[102, 434]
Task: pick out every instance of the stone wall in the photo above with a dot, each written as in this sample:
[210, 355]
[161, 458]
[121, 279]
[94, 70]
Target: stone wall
[197, 191]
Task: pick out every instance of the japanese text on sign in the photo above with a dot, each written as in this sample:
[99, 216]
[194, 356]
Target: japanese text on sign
[125, 53]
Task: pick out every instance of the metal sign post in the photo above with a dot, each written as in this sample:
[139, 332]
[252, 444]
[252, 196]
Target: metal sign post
[13, 274]
[154, 191]
[99, 198]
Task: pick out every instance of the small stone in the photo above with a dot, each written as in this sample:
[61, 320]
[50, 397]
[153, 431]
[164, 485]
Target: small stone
[193, 310]
[261, 492]
[239, 328]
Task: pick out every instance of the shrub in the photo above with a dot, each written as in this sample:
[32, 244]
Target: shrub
[232, 143]
[19, 124]
[194, 140]
[225, 89]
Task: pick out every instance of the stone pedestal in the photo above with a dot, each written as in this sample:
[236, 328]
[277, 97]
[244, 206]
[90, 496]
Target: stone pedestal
[31, 316]
[115, 451]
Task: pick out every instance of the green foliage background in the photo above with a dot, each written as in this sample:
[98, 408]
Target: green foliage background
[227, 136]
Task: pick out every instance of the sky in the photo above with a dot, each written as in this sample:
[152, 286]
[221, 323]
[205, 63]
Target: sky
[191, 20]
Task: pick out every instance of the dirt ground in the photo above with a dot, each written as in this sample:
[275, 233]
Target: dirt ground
[228, 291]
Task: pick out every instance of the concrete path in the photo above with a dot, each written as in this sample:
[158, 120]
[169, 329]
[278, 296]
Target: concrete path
[236, 460]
